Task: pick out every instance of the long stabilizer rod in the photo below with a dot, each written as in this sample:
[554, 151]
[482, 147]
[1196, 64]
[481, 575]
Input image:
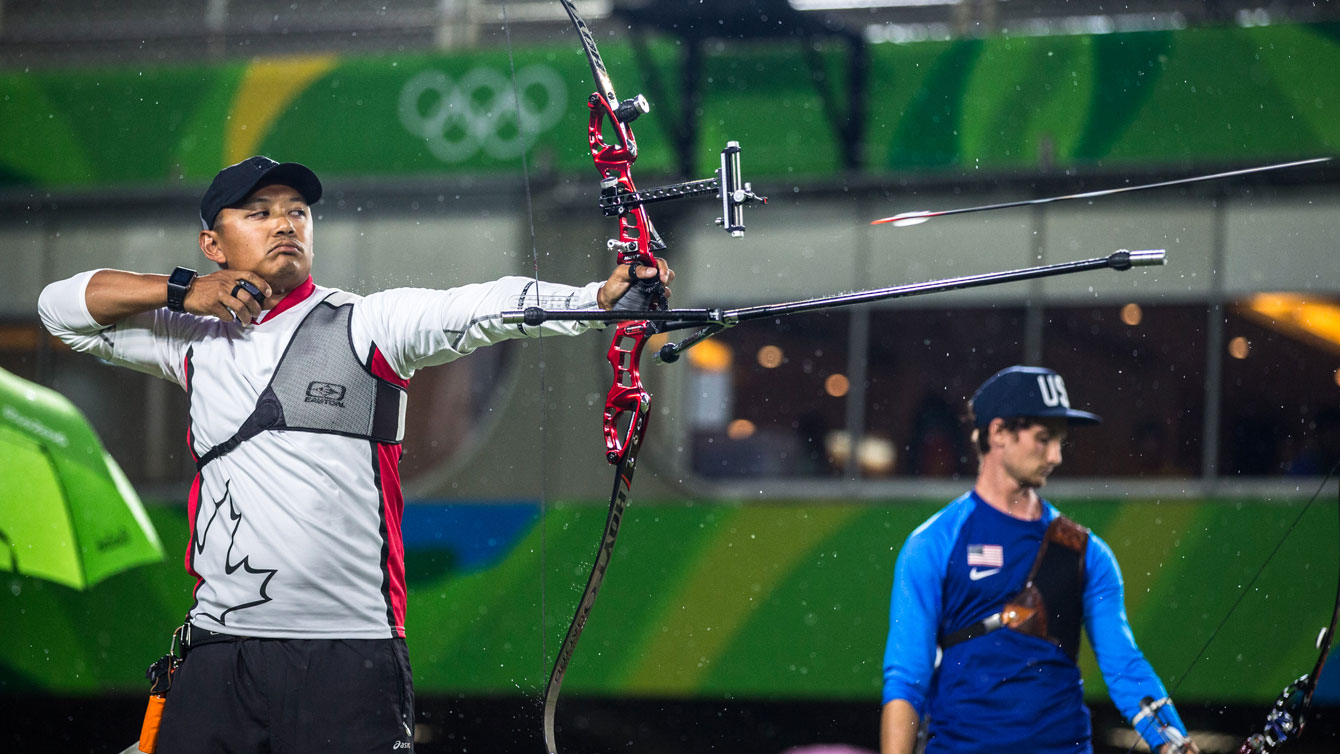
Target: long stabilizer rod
[712, 321]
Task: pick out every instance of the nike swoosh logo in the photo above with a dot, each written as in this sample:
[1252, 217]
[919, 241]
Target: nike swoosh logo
[977, 575]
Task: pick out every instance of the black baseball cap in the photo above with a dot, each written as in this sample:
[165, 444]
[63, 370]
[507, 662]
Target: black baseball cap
[1026, 391]
[235, 182]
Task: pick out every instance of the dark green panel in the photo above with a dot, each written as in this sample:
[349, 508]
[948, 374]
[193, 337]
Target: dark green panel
[766, 101]
[38, 143]
[1217, 102]
[1024, 101]
[896, 84]
[928, 131]
[121, 123]
[1126, 71]
[1330, 30]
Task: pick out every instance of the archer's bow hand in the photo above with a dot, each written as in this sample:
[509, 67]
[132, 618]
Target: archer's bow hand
[650, 291]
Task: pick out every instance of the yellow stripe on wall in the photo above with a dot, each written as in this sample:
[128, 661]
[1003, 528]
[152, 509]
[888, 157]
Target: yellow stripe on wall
[756, 549]
[267, 89]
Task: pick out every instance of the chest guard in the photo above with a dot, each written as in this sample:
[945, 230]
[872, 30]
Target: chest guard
[321, 386]
[1051, 604]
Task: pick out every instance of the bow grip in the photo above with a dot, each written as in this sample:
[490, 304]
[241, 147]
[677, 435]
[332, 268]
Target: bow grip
[643, 294]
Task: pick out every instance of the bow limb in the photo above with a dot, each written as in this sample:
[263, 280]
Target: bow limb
[627, 398]
[627, 405]
[623, 483]
[1288, 716]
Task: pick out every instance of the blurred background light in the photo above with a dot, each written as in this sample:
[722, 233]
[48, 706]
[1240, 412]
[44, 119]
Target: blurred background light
[1297, 315]
[837, 385]
[1238, 347]
[740, 429]
[770, 357]
[711, 356]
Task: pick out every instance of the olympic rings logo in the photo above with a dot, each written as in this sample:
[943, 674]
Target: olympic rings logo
[456, 119]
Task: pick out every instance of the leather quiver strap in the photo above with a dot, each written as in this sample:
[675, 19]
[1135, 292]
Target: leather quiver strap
[1059, 572]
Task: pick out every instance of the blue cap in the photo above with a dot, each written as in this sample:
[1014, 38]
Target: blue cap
[1026, 391]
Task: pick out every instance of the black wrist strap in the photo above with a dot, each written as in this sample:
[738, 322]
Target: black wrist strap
[178, 283]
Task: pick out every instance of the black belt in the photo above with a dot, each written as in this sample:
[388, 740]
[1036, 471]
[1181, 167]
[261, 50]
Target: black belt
[194, 636]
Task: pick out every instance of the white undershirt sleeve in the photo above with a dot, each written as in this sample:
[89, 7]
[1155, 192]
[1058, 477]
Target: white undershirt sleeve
[416, 327]
[64, 308]
[152, 342]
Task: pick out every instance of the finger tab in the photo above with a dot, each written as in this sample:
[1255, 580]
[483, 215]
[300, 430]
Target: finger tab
[244, 285]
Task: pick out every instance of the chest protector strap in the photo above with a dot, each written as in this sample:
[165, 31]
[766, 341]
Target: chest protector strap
[1051, 604]
[320, 385]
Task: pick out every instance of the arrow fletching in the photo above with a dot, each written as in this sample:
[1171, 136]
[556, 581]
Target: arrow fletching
[906, 218]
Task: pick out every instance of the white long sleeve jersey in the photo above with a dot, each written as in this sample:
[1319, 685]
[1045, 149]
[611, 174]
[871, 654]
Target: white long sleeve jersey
[296, 534]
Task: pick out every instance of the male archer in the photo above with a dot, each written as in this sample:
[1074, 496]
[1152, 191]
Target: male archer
[990, 595]
[295, 640]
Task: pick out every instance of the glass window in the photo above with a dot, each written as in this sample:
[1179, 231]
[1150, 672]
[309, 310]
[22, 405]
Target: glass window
[1280, 406]
[770, 400]
[1141, 368]
[20, 344]
[923, 367]
[447, 403]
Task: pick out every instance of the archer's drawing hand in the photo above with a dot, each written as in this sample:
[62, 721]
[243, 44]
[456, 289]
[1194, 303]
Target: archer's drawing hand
[621, 280]
[221, 294]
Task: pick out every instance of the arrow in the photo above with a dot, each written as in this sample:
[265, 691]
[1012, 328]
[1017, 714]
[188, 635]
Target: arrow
[906, 219]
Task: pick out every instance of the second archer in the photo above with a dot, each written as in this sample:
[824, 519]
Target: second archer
[991, 593]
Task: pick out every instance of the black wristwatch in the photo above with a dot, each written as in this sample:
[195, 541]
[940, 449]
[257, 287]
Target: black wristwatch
[179, 282]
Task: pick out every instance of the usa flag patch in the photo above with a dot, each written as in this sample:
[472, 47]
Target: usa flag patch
[991, 556]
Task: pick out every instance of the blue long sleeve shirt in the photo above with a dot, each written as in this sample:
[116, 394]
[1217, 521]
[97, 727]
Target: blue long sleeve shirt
[1004, 691]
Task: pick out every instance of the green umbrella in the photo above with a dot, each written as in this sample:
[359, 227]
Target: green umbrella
[67, 512]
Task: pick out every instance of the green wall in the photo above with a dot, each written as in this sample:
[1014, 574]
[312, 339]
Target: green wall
[1131, 100]
[724, 600]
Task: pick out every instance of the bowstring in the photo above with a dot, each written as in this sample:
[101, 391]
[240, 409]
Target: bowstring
[539, 340]
[1242, 594]
[1260, 570]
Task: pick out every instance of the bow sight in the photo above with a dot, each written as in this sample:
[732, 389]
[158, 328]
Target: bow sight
[727, 185]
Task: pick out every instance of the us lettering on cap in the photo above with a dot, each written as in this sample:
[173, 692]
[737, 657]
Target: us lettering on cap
[1053, 391]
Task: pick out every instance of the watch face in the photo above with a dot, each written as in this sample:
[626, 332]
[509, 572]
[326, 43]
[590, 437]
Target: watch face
[181, 276]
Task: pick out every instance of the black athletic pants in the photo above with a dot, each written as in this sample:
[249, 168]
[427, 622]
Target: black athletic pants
[291, 696]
